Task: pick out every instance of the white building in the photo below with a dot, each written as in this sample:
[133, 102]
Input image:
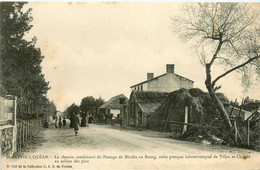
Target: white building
[167, 82]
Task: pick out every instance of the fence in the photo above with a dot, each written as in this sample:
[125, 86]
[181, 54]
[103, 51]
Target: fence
[14, 133]
[245, 132]
[26, 129]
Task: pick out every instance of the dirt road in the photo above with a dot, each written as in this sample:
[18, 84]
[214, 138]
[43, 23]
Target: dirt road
[137, 150]
[106, 138]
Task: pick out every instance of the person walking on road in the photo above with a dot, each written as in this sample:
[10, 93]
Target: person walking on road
[56, 122]
[75, 123]
[64, 122]
[60, 122]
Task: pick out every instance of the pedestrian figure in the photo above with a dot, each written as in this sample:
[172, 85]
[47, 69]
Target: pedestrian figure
[56, 122]
[46, 124]
[90, 119]
[64, 122]
[75, 123]
[119, 118]
[60, 122]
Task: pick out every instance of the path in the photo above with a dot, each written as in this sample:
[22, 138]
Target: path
[109, 142]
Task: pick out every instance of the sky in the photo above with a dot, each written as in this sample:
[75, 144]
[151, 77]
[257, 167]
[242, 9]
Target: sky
[101, 49]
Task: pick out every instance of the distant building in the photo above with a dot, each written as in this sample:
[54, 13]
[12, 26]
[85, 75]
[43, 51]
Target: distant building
[115, 105]
[167, 82]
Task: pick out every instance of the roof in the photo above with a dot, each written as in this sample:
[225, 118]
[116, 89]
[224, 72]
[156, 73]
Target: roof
[148, 96]
[148, 101]
[159, 77]
[112, 102]
[149, 108]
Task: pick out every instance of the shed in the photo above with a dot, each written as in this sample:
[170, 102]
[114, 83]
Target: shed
[141, 105]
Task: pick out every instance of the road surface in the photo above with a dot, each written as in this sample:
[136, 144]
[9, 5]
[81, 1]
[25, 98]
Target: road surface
[99, 146]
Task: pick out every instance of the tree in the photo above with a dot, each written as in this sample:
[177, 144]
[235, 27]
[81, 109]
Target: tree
[99, 116]
[251, 104]
[73, 109]
[50, 109]
[21, 72]
[225, 34]
[87, 104]
[98, 102]
[70, 110]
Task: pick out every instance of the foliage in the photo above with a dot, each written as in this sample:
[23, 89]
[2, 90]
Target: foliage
[234, 103]
[91, 104]
[20, 59]
[225, 34]
[51, 109]
[251, 104]
[72, 109]
[87, 104]
[199, 102]
[99, 102]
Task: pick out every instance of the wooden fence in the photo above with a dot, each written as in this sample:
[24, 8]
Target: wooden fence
[26, 129]
[246, 131]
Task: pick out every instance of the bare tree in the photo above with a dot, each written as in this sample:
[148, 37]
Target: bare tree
[225, 35]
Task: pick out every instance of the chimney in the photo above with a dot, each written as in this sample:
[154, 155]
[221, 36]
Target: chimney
[149, 76]
[169, 68]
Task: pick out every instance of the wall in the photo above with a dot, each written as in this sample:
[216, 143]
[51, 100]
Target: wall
[13, 138]
[132, 114]
[125, 115]
[168, 83]
[115, 112]
[7, 145]
[141, 87]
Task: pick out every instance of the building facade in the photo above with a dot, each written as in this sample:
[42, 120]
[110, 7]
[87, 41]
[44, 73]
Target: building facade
[148, 95]
[115, 105]
[167, 82]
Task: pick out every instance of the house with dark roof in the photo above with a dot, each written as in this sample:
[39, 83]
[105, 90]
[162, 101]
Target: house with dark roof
[168, 82]
[116, 105]
[141, 105]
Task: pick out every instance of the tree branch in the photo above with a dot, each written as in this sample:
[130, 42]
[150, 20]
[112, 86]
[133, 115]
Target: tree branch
[217, 51]
[226, 60]
[235, 68]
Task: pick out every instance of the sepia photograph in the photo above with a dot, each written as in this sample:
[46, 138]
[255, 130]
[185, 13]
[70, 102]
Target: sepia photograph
[129, 85]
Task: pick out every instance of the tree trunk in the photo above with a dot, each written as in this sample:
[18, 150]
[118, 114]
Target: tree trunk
[213, 96]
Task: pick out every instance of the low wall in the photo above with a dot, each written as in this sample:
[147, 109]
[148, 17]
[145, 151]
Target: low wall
[7, 140]
[14, 138]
